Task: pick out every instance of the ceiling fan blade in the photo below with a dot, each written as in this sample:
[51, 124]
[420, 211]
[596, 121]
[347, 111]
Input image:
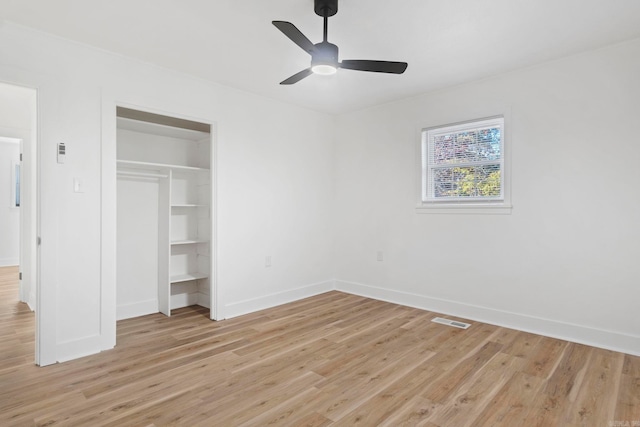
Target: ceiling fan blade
[297, 77]
[295, 35]
[374, 66]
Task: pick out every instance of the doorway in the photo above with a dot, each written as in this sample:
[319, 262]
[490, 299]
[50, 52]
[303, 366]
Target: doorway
[18, 191]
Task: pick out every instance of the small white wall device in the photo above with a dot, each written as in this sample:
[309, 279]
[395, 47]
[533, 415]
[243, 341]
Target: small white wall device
[62, 152]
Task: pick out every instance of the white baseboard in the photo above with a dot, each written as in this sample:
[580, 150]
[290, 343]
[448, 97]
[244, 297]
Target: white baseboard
[267, 301]
[9, 262]
[76, 349]
[127, 311]
[609, 340]
[31, 301]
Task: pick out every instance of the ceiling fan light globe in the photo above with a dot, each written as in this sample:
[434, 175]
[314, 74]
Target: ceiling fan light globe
[324, 69]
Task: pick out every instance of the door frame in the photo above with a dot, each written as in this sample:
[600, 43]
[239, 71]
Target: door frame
[29, 254]
[111, 99]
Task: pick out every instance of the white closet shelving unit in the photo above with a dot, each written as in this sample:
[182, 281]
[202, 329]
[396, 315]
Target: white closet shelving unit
[174, 164]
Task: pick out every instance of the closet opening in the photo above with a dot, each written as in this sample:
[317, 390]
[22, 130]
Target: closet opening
[164, 221]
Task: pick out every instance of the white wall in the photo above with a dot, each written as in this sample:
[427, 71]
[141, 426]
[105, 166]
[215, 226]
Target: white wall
[565, 262]
[9, 214]
[137, 247]
[274, 186]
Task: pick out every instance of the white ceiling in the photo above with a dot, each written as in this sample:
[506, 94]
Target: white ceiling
[445, 42]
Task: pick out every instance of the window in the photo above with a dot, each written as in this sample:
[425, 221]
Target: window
[463, 165]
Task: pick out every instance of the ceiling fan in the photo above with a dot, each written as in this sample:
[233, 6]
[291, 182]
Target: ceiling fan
[324, 55]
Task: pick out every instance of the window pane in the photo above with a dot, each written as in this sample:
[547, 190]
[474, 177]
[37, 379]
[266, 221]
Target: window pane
[467, 146]
[473, 181]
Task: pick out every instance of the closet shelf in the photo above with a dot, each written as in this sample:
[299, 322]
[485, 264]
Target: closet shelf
[188, 205]
[188, 277]
[188, 241]
[132, 164]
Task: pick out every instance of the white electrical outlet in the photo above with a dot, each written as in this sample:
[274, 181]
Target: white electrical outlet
[380, 256]
[267, 261]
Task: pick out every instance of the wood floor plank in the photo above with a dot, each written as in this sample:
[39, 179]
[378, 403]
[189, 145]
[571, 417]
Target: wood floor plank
[416, 412]
[445, 386]
[558, 393]
[390, 399]
[293, 412]
[510, 406]
[351, 391]
[461, 343]
[596, 398]
[332, 359]
[544, 357]
[628, 401]
[473, 395]
[311, 420]
[278, 395]
[523, 345]
[359, 345]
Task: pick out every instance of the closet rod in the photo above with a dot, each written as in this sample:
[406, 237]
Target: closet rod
[142, 174]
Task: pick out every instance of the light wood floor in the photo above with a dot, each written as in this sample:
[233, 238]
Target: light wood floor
[334, 359]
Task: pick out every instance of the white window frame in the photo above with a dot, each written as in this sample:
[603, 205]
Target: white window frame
[427, 203]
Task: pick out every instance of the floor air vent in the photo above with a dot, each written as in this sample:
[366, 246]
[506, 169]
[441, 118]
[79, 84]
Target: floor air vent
[451, 323]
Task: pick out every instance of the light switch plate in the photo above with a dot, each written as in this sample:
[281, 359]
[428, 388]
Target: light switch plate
[78, 186]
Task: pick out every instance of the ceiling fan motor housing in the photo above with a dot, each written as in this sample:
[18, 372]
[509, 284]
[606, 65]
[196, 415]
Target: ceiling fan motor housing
[325, 7]
[325, 54]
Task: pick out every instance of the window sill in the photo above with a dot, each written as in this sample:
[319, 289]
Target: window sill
[465, 208]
